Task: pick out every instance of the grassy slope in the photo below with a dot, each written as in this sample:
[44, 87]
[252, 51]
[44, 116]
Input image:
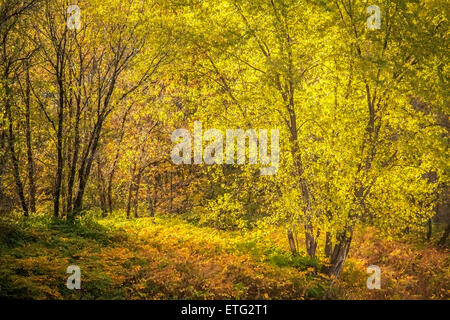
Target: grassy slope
[171, 259]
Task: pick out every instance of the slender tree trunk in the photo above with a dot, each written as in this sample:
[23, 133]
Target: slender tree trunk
[76, 139]
[171, 192]
[339, 255]
[101, 189]
[292, 244]
[109, 195]
[12, 152]
[311, 240]
[58, 178]
[130, 190]
[429, 229]
[63, 202]
[136, 196]
[88, 157]
[287, 91]
[156, 187]
[85, 167]
[3, 153]
[150, 200]
[73, 165]
[32, 191]
[328, 245]
[59, 136]
[444, 237]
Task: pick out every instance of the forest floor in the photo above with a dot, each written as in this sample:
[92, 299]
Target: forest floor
[169, 258]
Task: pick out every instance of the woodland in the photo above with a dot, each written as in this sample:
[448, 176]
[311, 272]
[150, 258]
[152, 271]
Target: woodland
[354, 116]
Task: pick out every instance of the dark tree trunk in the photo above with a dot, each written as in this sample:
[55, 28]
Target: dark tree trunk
[171, 192]
[32, 191]
[88, 156]
[76, 139]
[59, 69]
[443, 240]
[3, 153]
[59, 168]
[311, 240]
[429, 229]
[328, 245]
[292, 244]
[85, 167]
[109, 194]
[150, 200]
[101, 190]
[14, 159]
[74, 160]
[136, 196]
[339, 255]
[130, 191]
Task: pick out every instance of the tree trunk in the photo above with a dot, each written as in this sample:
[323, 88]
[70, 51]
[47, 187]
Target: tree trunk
[150, 200]
[109, 195]
[75, 154]
[59, 137]
[85, 167]
[430, 229]
[3, 153]
[136, 196]
[338, 256]
[292, 245]
[328, 245]
[171, 192]
[311, 240]
[101, 189]
[16, 171]
[12, 152]
[130, 190]
[444, 237]
[32, 191]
